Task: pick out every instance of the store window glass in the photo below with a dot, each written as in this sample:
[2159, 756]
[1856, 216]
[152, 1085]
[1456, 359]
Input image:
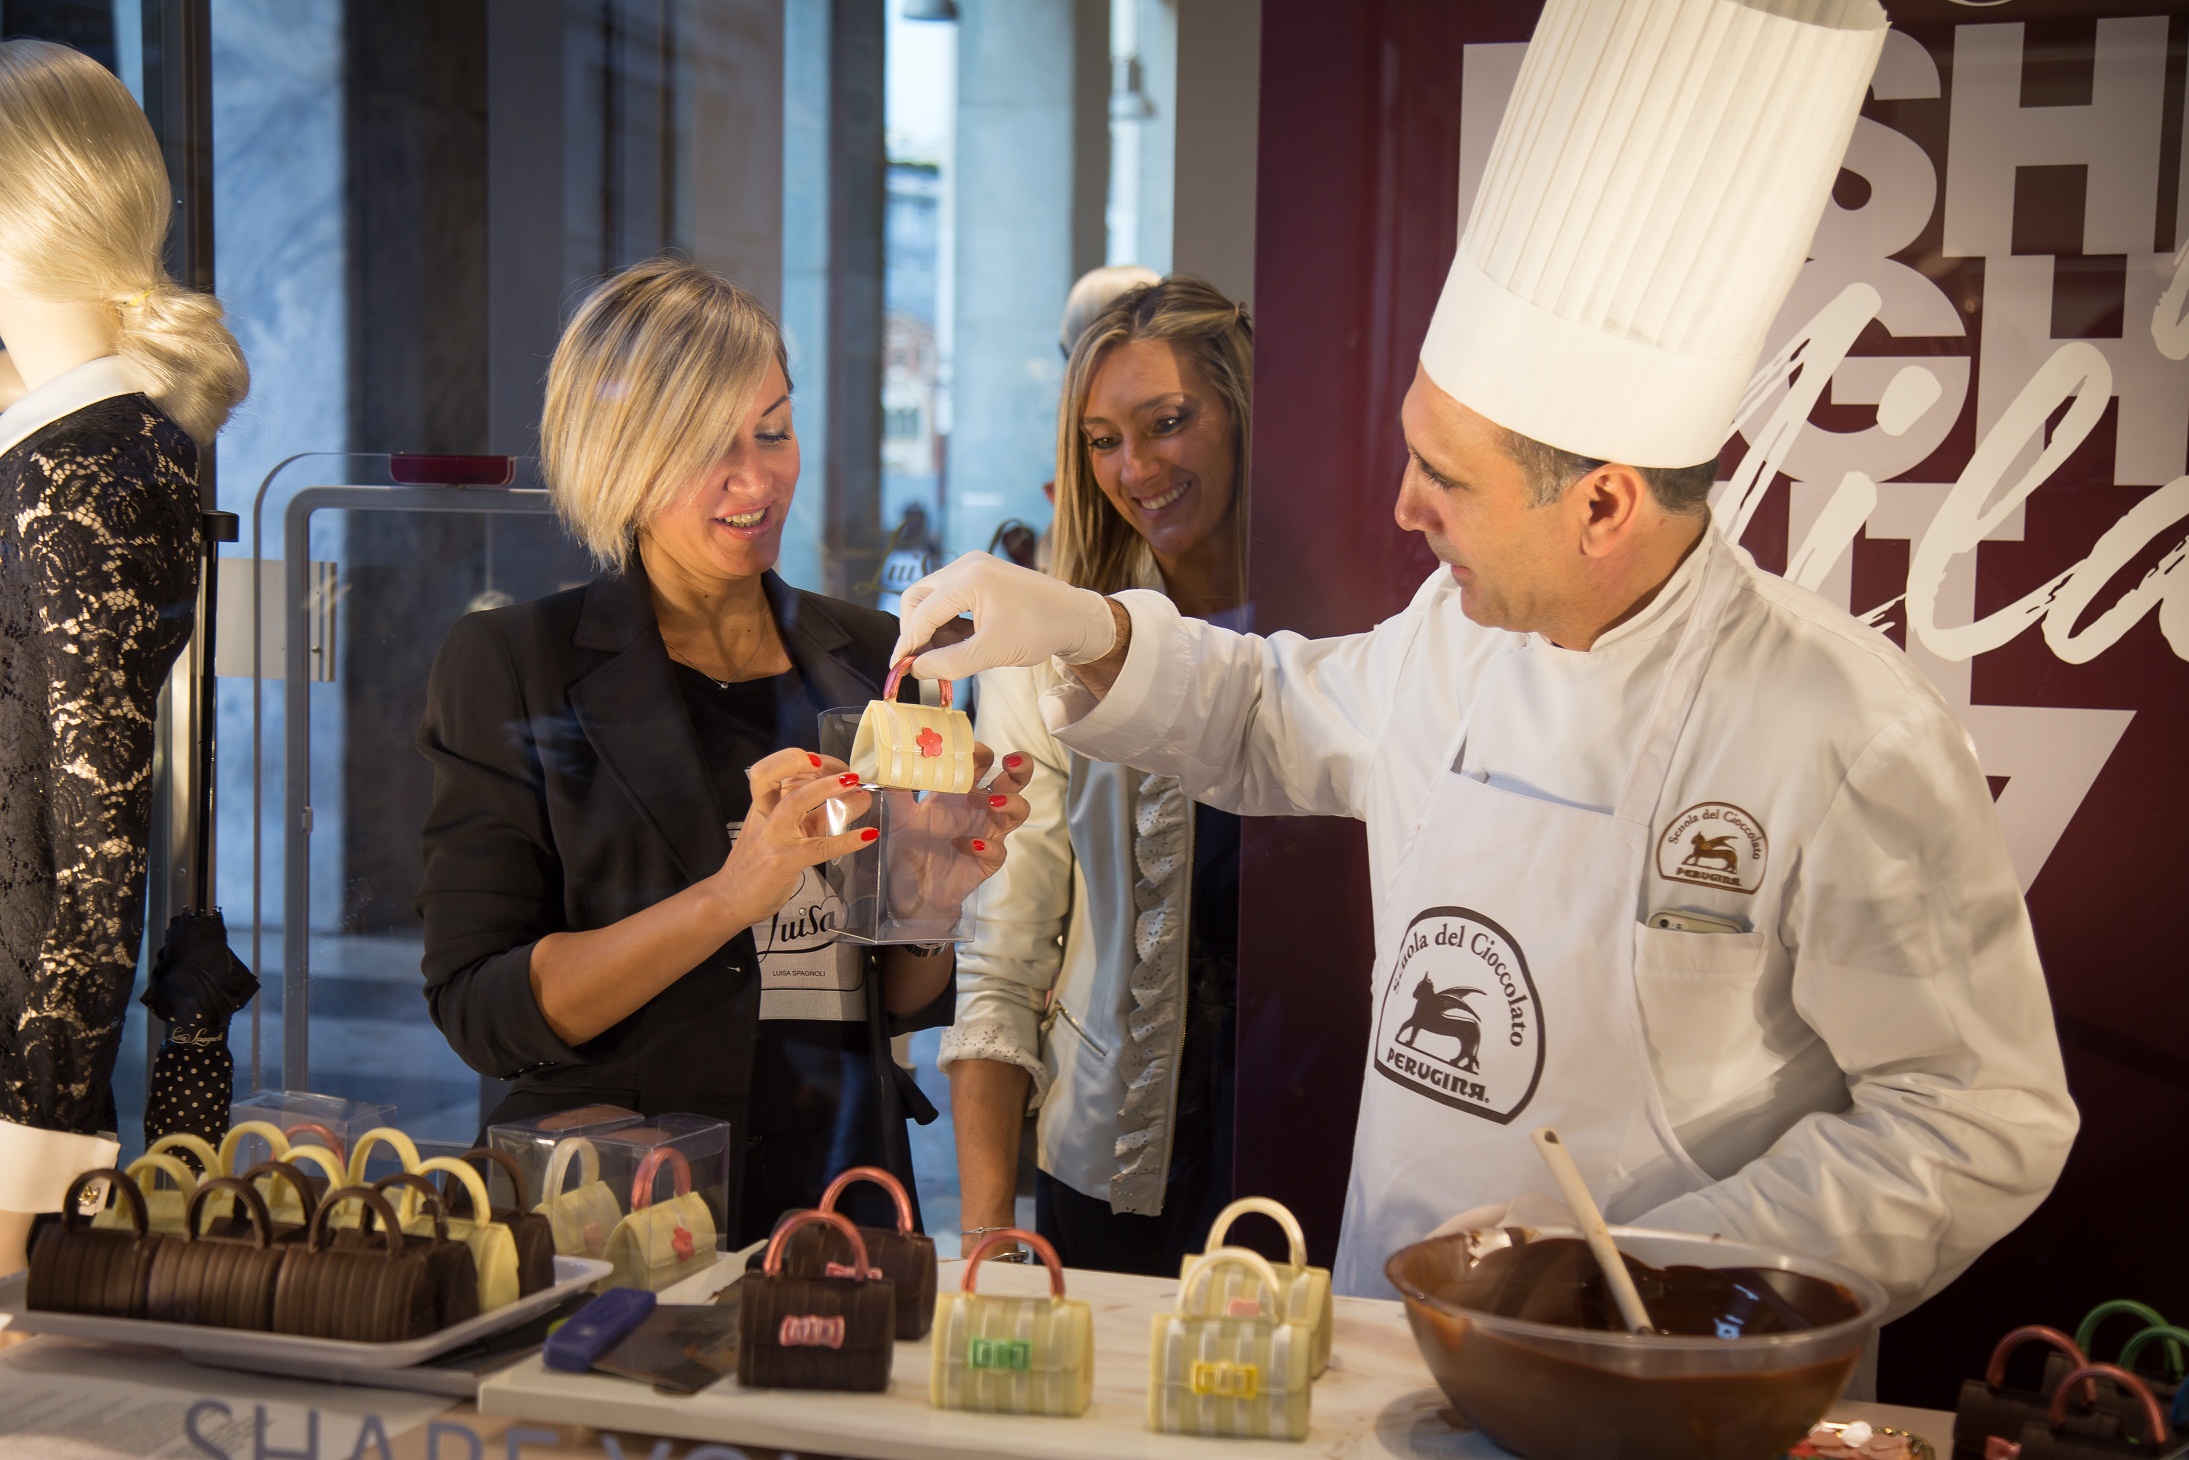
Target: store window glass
[408, 199]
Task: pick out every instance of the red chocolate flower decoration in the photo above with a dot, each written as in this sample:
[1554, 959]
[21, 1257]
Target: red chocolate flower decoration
[930, 743]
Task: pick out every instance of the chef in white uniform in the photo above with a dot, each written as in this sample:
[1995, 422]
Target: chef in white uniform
[1667, 853]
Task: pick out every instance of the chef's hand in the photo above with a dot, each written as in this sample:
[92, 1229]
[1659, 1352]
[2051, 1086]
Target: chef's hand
[787, 831]
[1529, 1209]
[1020, 617]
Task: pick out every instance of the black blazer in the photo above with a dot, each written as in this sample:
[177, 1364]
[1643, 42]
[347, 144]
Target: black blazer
[568, 793]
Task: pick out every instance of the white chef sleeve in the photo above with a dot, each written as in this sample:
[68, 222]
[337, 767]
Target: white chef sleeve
[1915, 962]
[1006, 971]
[1274, 726]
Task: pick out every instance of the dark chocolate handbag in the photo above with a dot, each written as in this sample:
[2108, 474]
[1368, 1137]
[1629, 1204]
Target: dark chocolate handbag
[1990, 1414]
[816, 1332]
[380, 1294]
[2057, 1437]
[448, 1259]
[905, 1256]
[534, 1233]
[78, 1268]
[218, 1282]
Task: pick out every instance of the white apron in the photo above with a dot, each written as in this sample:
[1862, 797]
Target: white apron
[1505, 997]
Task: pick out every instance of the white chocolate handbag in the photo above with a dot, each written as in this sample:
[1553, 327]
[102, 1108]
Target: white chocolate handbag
[582, 1217]
[1303, 1294]
[914, 747]
[661, 1243]
[493, 1246]
[1228, 1366]
[164, 1207]
[1012, 1355]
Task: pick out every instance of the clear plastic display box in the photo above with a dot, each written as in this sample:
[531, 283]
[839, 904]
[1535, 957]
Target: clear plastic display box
[914, 884]
[304, 1119]
[651, 1198]
[557, 1157]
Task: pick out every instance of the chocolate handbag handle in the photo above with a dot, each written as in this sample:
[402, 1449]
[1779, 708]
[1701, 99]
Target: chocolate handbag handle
[773, 1264]
[2089, 1374]
[406, 1151]
[159, 1163]
[1218, 1257]
[306, 1198]
[879, 1177]
[897, 673]
[391, 1229]
[117, 1180]
[336, 1173]
[2171, 1336]
[509, 1167]
[262, 1222]
[1012, 1236]
[267, 1131]
[558, 1166]
[196, 1146]
[1221, 1227]
[649, 1171]
[438, 1208]
[1995, 1372]
[313, 1127]
[2086, 1332]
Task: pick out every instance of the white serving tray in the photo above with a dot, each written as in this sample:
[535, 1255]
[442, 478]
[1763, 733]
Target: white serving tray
[332, 1359]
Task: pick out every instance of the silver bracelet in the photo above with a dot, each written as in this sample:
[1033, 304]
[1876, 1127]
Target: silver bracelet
[1018, 1253]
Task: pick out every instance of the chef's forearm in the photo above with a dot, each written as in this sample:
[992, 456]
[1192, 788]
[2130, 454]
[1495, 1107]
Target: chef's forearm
[987, 1114]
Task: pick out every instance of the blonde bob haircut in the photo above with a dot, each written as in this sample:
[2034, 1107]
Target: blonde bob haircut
[1093, 546]
[84, 204]
[650, 384]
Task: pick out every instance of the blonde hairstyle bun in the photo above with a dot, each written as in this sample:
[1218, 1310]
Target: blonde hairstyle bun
[650, 383]
[1093, 546]
[84, 207]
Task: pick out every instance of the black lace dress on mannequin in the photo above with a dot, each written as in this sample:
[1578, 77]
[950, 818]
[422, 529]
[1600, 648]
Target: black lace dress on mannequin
[98, 578]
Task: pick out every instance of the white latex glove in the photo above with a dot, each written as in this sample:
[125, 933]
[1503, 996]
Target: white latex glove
[1020, 617]
[1529, 1209]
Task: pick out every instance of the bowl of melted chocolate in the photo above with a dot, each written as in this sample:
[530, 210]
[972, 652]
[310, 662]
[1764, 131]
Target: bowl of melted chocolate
[1521, 1330]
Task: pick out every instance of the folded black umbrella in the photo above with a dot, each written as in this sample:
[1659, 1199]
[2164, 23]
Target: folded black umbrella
[197, 982]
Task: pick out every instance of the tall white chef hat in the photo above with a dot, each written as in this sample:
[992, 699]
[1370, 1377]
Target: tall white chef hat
[1649, 199]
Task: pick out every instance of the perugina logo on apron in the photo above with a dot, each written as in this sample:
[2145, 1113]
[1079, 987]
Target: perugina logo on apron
[1458, 1020]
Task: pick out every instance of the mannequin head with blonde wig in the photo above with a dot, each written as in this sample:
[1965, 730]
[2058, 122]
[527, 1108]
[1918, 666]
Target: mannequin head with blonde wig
[83, 216]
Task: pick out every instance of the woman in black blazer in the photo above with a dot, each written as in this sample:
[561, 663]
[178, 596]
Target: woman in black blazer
[593, 934]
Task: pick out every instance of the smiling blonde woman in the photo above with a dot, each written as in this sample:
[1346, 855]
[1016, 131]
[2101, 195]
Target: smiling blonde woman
[624, 786]
[1099, 988]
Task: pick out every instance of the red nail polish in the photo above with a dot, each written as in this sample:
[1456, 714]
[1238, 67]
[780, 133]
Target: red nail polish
[999, 800]
[848, 778]
[815, 759]
[980, 846]
[1014, 761]
[870, 833]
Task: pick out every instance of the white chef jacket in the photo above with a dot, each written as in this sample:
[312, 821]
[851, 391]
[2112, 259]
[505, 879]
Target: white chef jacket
[1869, 1072]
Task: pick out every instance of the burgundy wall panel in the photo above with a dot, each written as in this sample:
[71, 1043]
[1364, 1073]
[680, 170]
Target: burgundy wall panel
[1359, 166]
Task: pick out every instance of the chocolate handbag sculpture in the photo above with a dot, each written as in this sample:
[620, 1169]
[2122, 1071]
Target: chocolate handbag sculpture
[914, 747]
[493, 1246]
[534, 1234]
[1013, 1355]
[1304, 1296]
[1989, 1409]
[448, 1259]
[816, 1332]
[905, 1256]
[78, 1268]
[2057, 1437]
[367, 1294]
[218, 1282]
[658, 1245]
[164, 1208]
[1230, 1366]
[583, 1217]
